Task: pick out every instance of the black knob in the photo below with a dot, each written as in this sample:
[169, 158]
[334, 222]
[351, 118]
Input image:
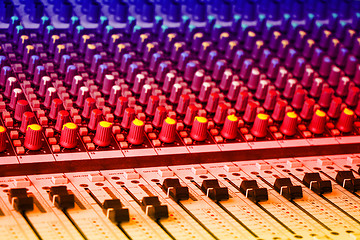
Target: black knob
[316, 184]
[174, 190]
[213, 190]
[347, 180]
[252, 191]
[285, 187]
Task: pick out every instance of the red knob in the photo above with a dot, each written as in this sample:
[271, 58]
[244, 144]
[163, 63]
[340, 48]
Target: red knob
[168, 130]
[95, 118]
[259, 128]
[335, 107]
[190, 114]
[56, 106]
[68, 138]
[317, 124]
[152, 104]
[212, 102]
[242, 101]
[250, 111]
[121, 105]
[21, 107]
[89, 105]
[288, 127]
[160, 115]
[33, 137]
[184, 102]
[129, 115]
[308, 109]
[27, 119]
[299, 98]
[103, 134]
[229, 130]
[2, 138]
[136, 133]
[199, 129]
[220, 114]
[279, 110]
[62, 118]
[346, 120]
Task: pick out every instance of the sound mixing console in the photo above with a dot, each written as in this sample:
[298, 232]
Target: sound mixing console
[179, 119]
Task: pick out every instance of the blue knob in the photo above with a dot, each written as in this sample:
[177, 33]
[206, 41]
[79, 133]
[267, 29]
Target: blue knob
[215, 6]
[165, 6]
[28, 6]
[199, 13]
[190, 6]
[94, 13]
[345, 8]
[7, 10]
[334, 5]
[148, 12]
[225, 12]
[298, 10]
[37, 11]
[174, 13]
[121, 11]
[131, 22]
[239, 5]
[138, 6]
[250, 10]
[85, 6]
[65, 11]
[236, 22]
[74, 22]
[321, 9]
[263, 6]
[158, 22]
[274, 10]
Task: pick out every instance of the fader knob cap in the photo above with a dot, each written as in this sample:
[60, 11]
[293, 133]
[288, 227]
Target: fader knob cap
[103, 134]
[168, 130]
[68, 137]
[229, 130]
[136, 133]
[317, 124]
[259, 128]
[346, 120]
[2, 138]
[288, 127]
[198, 130]
[33, 137]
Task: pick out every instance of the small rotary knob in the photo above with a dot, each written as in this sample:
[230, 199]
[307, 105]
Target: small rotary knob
[229, 130]
[68, 138]
[95, 118]
[346, 120]
[317, 124]
[199, 129]
[168, 131]
[259, 128]
[103, 134]
[21, 107]
[288, 127]
[33, 137]
[27, 119]
[136, 133]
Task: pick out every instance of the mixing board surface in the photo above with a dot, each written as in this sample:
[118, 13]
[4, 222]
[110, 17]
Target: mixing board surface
[180, 119]
[286, 198]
